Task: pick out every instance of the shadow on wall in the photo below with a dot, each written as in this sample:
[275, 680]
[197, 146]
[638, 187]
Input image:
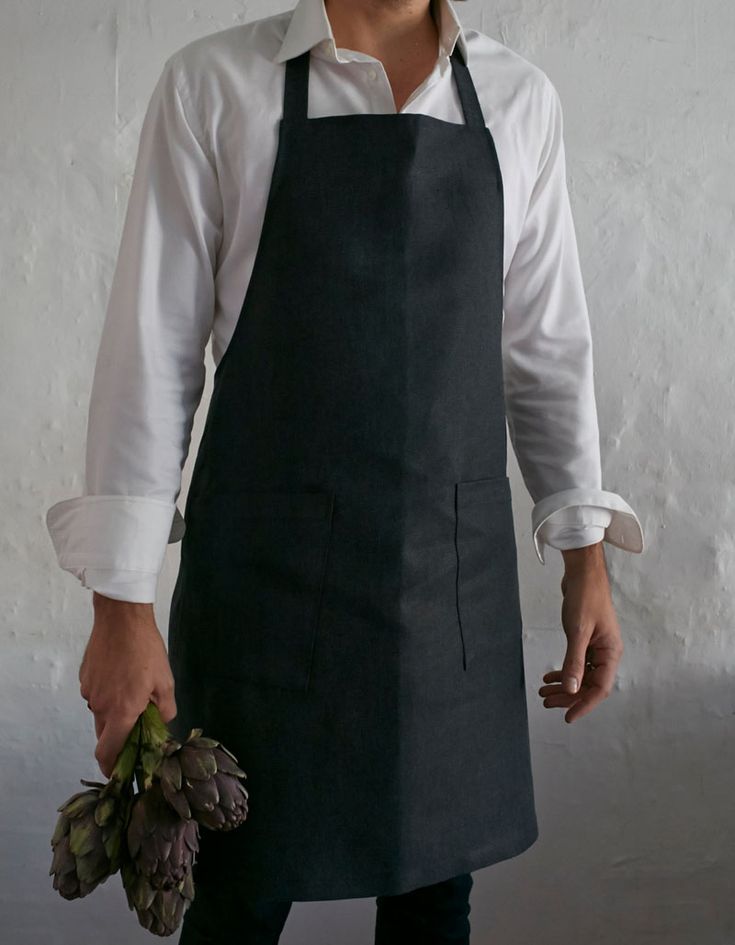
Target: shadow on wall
[635, 812]
[634, 803]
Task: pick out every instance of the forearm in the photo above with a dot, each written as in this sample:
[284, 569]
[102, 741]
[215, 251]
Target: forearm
[586, 567]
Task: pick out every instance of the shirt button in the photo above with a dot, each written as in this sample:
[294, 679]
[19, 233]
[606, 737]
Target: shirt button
[325, 44]
[372, 74]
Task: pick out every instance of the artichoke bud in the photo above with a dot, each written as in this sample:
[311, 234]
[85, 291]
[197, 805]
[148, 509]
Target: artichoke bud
[162, 845]
[84, 841]
[200, 780]
[105, 810]
[157, 874]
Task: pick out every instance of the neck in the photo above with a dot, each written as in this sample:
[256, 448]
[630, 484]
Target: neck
[396, 29]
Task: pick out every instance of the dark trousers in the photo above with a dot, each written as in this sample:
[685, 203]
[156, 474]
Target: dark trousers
[430, 915]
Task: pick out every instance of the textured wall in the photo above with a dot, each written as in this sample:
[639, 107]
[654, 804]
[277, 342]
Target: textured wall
[634, 800]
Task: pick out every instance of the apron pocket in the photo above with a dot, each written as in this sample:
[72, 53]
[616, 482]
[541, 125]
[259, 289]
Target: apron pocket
[260, 559]
[488, 603]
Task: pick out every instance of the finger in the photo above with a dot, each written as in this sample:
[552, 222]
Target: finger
[552, 676]
[605, 669]
[565, 701]
[163, 698]
[601, 682]
[572, 671]
[110, 742]
[553, 690]
[581, 708]
[557, 687]
[99, 720]
[556, 695]
[560, 697]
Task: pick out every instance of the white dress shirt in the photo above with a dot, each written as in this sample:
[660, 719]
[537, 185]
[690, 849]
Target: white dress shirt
[194, 216]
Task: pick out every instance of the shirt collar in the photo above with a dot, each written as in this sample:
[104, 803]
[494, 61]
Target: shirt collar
[309, 25]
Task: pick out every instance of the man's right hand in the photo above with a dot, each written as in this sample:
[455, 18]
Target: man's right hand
[125, 666]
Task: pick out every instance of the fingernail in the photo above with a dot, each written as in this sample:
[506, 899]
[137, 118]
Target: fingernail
[573, 684]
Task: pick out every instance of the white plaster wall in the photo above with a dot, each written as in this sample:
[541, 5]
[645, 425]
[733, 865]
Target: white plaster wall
[635, 801]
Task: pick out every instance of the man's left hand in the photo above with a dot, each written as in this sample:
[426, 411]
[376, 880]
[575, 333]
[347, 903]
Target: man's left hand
[594, 643]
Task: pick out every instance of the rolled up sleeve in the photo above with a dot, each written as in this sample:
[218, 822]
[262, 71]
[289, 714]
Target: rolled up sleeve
[149, 373]
[548, 370]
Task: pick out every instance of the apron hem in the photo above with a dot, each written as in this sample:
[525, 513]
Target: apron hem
[416, 878]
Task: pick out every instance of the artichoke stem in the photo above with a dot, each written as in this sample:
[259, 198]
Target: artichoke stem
[122, 773]
[155, 730]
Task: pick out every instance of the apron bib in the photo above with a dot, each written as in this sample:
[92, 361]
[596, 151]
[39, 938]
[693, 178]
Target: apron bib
[346, 617]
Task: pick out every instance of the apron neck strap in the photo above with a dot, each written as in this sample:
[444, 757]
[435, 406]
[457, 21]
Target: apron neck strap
[296, 89]
[467, 93]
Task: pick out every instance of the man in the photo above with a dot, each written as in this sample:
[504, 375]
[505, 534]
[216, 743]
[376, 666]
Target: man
[354, 198]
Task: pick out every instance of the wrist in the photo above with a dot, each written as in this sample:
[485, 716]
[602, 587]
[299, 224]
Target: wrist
[110, 605]
[585, 558]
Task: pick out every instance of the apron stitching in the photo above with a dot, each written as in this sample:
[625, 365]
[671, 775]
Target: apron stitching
[457, 582]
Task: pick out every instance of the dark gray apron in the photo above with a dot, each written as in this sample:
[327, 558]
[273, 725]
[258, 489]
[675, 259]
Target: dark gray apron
[346, 617]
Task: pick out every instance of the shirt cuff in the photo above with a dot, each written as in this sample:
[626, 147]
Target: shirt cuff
[576, 517]
[136, 586]
[576, 536]
[124, 536]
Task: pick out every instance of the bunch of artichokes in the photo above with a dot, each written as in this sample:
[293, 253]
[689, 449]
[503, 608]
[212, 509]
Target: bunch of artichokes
[150, 836]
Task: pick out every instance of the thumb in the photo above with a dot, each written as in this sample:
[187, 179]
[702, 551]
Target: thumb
[111, 741]
[572, 669]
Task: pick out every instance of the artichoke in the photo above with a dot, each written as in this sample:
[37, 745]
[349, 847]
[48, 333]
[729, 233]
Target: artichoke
[86, 843]
[201, 780]
[159, 910]
[152, 836]
[157, 874]
[161, 844]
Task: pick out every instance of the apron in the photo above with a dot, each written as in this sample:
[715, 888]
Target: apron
[346, 616]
